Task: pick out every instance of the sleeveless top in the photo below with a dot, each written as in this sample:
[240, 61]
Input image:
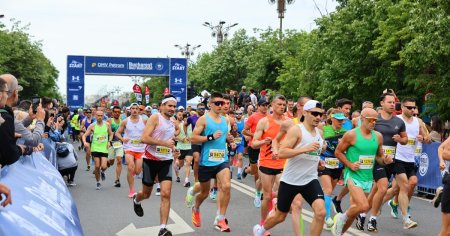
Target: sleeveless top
[115, 127]
[182, 135]
[164, 131]
[406, 152]
[331, 137]
[133, 131]
[214, 152]
[265, 155]
[86, 124]
[100, 138]
[302, 169]
[364, 150]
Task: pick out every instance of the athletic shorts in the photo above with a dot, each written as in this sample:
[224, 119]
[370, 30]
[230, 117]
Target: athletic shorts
[333, 173]
[136, 155]
[445, 199]
[205, 173]
[185, 153]
[196, 148]
[270, 171]
[366, 186]
[99, 154]
[402, 167]
[240, 149]
[253, 155]
[152, 168]
[380, 172]
[286, 194]
[115, 152]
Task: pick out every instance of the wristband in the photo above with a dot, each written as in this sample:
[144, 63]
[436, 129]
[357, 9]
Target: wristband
[210, 137]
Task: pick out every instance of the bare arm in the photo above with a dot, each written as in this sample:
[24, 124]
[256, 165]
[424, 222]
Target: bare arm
[87, 133]
[347, 140]
[199, 127]
[382, 159]
[444, 153]
[247, 130]
[403, 140]
[120, 130]
[257, 143]
[293, 138]
[283, 130]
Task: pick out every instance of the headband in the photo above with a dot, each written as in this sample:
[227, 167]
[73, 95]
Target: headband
[168, 99]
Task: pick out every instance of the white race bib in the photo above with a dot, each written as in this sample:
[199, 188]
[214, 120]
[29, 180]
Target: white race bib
[117, 144]
[216, 155]
[366, 162]
[101, 138]
[389, 150]
[237, 140]
[163, 152]
[135, 142]
[331, 163]
[411, 142]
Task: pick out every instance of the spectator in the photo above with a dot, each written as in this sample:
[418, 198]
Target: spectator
[263, 96]
[32, 138]
[436, 129]
[253, 98]
[9, 95]
[67, 162]
[4, 190]
[242, 95]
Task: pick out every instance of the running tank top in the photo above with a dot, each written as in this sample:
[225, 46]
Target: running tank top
[182, 135]
[115, 127]
[164, 131]
[133, 131]
[86, 124]
[100, 138]
[406, 152]
[302, 169]
[214, 152]
[364, 150]
[265, 156]
[331, 137]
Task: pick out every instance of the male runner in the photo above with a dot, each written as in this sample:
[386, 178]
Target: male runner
[159, 135]
[358, 150]
[302, 146]
[116, 151]
[444, 155]
[290, 109]
[393, 130]
[345, 106]
[132, 128]
[101, 141]
[270, 167]
[184, 145]
[85, 123]
[253, 154]
[239, 142]
[211, 130]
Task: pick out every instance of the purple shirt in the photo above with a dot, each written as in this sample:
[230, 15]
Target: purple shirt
[192, 120]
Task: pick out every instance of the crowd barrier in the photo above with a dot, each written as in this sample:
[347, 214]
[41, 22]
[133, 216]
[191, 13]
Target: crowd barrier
[429, 175]
[42, 204]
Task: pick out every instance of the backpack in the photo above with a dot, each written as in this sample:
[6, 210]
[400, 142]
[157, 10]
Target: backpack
[62, 150]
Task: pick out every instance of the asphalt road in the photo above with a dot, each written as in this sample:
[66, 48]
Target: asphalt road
[109, 211]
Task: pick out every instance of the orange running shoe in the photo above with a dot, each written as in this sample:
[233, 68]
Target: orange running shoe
[196, 218]
[222, 226]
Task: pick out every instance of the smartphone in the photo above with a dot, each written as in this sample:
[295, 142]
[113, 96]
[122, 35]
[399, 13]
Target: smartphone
[398, 106]
[35, 100]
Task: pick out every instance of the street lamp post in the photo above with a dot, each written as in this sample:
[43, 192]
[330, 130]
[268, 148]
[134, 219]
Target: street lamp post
[1, 16]
[281, 8]
[219, 31]
[186, 50]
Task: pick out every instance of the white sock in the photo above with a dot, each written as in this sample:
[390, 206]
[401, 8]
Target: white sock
[344, 217]
[373, 217]
[157, 185]
[162, 226]
[261, 230]
[239, 170]
[362, 214]
[134, 200]
[186, 180]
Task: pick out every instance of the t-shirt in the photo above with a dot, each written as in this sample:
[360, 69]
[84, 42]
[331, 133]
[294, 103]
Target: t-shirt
[192, 120]
[389, 128]
[253, 121]
[347, 125]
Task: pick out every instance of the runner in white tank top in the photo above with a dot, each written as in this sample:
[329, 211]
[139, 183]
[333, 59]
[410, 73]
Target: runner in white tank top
[132, 127]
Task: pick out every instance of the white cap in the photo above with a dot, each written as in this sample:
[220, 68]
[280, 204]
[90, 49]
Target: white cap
[311, 104]
[181, 108]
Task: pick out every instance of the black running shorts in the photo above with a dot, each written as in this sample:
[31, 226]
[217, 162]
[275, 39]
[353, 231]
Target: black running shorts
[286, 194]
[151, 169]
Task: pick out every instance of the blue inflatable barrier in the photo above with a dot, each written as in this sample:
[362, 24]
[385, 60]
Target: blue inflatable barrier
[50, 152]
[42, 204]
[429, 175]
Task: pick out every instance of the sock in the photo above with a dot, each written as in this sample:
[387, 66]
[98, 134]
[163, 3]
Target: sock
[394, 203]
[221, 217]
[405, 218]
[328, 206]
[134, 200]
[239, 170]
[261, 230]
[186, 179]
[157, 185]
[373, 217]
[217, 212]
[362, 214]
[344, 217]
[162, 226]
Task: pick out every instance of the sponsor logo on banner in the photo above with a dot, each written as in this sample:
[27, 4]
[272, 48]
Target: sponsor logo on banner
[76, 89]
[75, 97]
[76, 79]
[176, 92]
[424, 163]
[140, 66]
[178, 66]
[75, 64]
[108, 65]
[159, 66]
[178, 80]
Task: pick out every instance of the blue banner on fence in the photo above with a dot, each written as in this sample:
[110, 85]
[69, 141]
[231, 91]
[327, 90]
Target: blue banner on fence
[42, 204]
[429, 175]
[127, 66]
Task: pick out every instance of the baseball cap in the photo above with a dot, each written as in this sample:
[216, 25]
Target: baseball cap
[311, 104]
[180, 108]
[338, 116]
[148, 108]
[262, 102]
[263, 92]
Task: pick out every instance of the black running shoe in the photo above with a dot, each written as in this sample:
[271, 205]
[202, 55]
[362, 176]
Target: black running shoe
[117, 184]
[178, 179]
[164, 232]
[437, 198]
[360, 222]
[187, 184]
[244, 174]
[137, 207]
[337, 205]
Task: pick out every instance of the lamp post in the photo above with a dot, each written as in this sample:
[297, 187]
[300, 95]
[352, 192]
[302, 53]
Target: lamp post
[1, 16]
[219, 31]
[186, 50]
[281, 8]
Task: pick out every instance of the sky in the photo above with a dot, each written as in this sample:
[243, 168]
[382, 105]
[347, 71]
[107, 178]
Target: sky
[143, 28]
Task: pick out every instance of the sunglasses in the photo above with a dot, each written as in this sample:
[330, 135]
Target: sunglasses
[411, 107]
[370, 119]
[141, 109]
[88, 112]
[239, 114]
[316, 113]
[219, 103]
[201, 109]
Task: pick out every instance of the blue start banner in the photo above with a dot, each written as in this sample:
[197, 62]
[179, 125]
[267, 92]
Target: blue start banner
[42, 203]
[79, 66]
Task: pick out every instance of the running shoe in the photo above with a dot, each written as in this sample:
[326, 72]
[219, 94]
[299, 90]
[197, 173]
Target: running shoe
[98, 186]
[164, 232]
[222, 226]
[137, 207]
[360, 220]
[88, 168]
[338, 225]
[256, 230]
[329, 223]
[117, 184]
[372, 226]
[437, 198]
[189, 197]
[196, 218]
[409, 224]
[257, 201]
[337, 205]
[102, 173]
[178, 179]
[394, 209]
[187, 184]
[244, 174]
[158, 192]
[72, 184]
[131, 194]
[239, 176]
[213, 194]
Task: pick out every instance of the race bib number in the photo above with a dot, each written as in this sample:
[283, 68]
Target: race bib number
[135, 142]
[163, 151]
[101, 138]
[389, 150]
[117, 145]
[418, 150]
[366, 162]
[411, 142]
[331, 163]
[237, 140]
[216, 155]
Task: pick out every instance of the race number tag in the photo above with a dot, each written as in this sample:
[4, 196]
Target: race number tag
[366, 162]
[237, 140]
[216, 155]
[117, 144]
[135, 142]
[163, 151]
[411, 142]
[331, 163]
[101, 138]
[418, 150]
[389, 150]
